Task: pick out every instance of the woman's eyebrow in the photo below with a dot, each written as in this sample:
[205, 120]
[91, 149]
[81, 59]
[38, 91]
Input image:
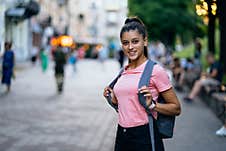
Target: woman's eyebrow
[125, 40]
[136, 38]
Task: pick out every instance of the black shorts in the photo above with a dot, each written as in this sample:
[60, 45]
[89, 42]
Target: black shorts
[136, 139]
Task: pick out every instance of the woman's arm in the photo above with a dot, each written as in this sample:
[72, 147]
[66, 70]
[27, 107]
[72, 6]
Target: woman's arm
[172, 106]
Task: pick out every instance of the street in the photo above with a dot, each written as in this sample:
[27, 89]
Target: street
[33, 117]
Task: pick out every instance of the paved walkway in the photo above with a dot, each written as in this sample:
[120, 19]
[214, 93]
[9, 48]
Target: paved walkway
[33, 117]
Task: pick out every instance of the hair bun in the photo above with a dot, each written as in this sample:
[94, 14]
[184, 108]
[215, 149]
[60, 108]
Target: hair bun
[133, 19]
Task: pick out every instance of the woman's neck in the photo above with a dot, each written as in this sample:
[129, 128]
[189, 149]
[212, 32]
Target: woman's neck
[134, 64]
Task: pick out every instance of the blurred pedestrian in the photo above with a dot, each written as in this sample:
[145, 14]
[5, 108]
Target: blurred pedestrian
[73, 59]
[8, 65]
[102, 53]
[121, 57]
[34, 54]
[60, 61]
[198, 49]
[44, 59]
[81, 52]
[133, 127]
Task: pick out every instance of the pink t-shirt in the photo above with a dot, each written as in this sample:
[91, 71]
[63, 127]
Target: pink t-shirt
[131, 113]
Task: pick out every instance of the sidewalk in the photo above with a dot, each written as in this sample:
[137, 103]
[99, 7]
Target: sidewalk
[34, 117]
[195, 129]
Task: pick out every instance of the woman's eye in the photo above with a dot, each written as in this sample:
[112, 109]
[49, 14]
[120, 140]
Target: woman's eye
[125, 43]
[135, 41]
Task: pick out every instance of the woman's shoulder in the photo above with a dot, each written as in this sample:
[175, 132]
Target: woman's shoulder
[161, 73]
[158, 69]
[161, 78]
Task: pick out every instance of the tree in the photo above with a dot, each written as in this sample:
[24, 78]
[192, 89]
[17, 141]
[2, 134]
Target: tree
[166, 18]
[211, 27]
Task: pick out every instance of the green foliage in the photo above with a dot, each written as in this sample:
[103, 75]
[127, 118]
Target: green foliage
[187, 52]
[166, 18]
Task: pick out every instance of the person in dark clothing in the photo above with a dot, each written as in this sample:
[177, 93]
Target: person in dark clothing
[213, 77]
[121, 57]
[7, 65]
[60, 61]
[198, 48]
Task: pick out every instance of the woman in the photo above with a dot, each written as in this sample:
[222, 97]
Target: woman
[44, 59]
[7, 65]
[133, 129]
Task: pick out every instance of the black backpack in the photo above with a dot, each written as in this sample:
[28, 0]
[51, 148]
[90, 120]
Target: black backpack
[165, 123]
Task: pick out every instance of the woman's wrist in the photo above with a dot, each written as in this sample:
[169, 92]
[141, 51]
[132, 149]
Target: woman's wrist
[114, 100]
[152, 105]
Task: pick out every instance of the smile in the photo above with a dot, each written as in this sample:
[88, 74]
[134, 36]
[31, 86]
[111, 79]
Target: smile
[132, 53]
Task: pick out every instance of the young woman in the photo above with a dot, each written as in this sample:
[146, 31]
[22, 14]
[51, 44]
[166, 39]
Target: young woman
[8, 65]
[133, 129]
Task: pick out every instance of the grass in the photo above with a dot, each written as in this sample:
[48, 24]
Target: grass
[188, 52]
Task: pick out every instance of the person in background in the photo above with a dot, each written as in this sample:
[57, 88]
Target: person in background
[191, 72]
[60, 60]
[44, 59]
[34, 54]
[8, 65]
[213, 77]
[73, 59]
[198, 49]
[176, 69]
[102, 53]
[121, 58]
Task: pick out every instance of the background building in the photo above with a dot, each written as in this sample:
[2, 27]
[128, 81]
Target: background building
[15, 25]
[88, 21]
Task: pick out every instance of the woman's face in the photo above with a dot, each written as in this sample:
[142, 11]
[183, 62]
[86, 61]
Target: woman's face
[133, 44]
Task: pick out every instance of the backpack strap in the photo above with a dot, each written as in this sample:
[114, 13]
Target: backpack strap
[111, 85]
[145, 80]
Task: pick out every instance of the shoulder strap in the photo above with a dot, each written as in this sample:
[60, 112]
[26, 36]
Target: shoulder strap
[111, 85]
[145, 80]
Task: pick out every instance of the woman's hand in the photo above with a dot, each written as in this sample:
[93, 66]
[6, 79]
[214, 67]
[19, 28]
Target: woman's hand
[146, 91]
[108, 91]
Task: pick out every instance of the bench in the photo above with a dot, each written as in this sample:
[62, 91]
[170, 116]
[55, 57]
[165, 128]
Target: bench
[216, 100]
[219, 105]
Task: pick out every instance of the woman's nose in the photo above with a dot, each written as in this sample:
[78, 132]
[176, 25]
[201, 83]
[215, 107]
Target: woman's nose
[130, 46]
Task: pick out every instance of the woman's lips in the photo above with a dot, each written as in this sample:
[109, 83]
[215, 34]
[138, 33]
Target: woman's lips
[132, 53]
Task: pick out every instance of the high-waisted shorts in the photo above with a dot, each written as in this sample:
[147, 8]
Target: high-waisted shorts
[136, 139]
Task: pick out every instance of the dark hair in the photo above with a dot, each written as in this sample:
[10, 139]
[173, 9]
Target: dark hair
[210, 54]
[134, 23]
[8, 45]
